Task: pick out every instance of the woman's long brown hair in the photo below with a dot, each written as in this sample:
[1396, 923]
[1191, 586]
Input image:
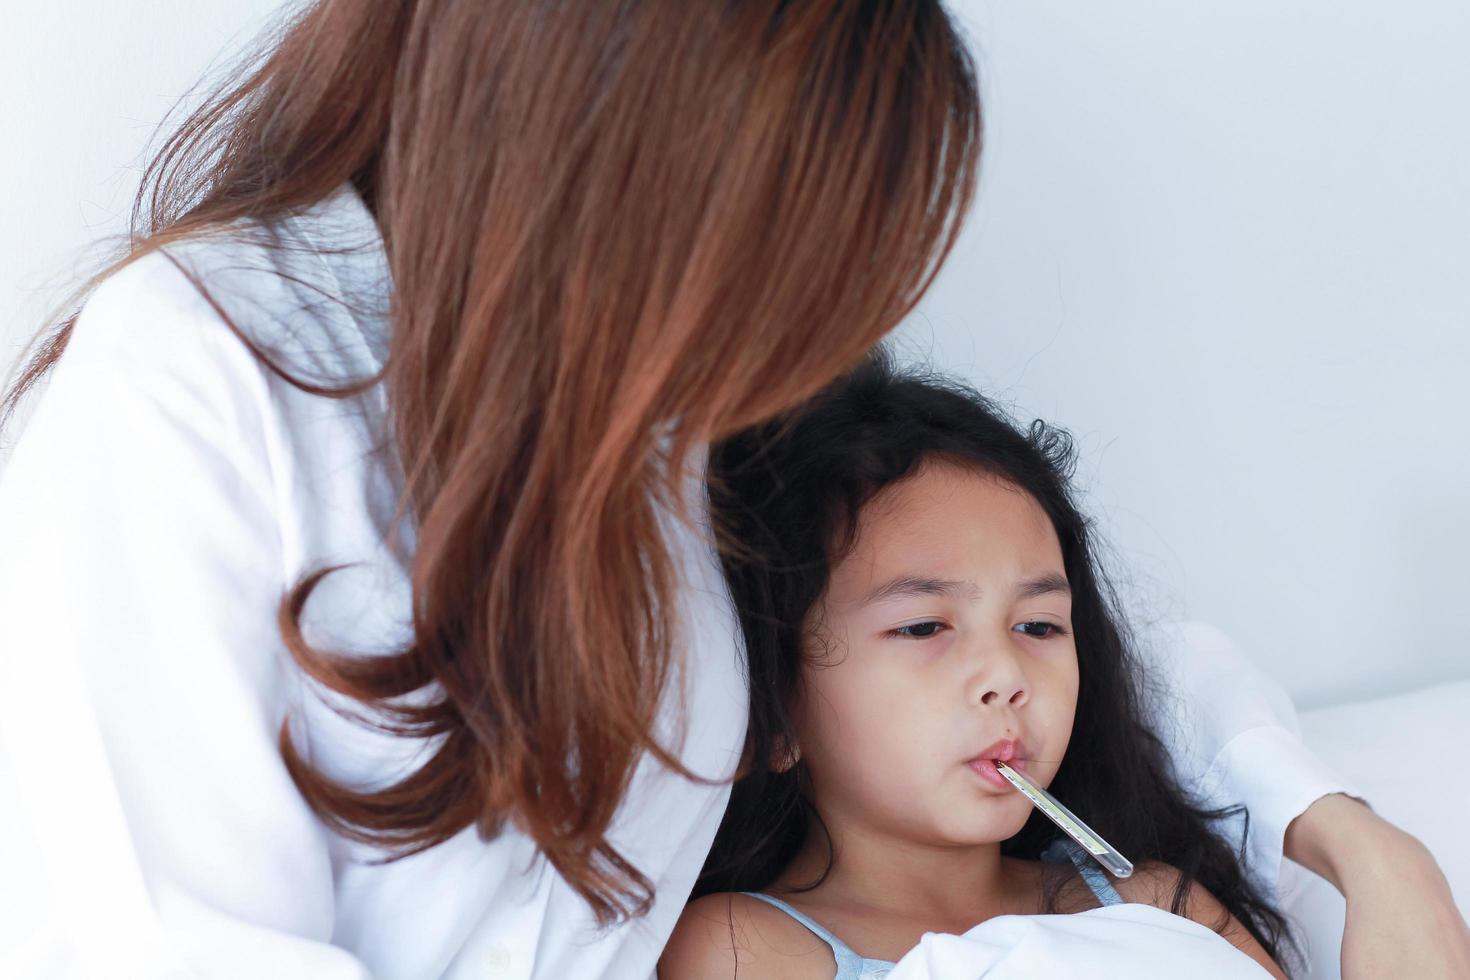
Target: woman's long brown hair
[616, 231]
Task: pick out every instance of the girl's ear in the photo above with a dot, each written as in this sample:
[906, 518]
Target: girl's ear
[784, 754]
[743, 769]
[781, 758]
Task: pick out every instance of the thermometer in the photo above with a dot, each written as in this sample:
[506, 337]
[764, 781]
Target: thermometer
[1101, 850]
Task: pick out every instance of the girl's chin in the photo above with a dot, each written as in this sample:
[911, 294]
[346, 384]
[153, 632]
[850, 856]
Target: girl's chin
[995, 823]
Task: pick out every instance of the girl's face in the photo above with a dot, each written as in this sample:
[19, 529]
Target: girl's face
[946, 631]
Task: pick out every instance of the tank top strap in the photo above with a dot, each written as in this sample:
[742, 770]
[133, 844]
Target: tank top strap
[1064, 848]
[850, 966]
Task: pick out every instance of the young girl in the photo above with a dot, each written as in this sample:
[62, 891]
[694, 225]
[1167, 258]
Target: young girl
[919, 597]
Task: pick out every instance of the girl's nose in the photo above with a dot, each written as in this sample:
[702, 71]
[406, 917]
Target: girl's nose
[996, 679]
[1016, 698]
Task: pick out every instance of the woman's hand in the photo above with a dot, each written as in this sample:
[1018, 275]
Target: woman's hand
[1401, 918]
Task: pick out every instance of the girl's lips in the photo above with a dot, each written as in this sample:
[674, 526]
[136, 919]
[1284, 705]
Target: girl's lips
[985, 769]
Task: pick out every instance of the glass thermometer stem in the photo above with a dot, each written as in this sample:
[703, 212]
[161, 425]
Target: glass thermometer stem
[1101, 850]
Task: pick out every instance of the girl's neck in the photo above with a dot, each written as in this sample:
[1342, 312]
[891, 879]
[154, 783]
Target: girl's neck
[878, 873]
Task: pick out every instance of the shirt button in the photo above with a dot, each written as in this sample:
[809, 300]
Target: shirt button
[497, 960]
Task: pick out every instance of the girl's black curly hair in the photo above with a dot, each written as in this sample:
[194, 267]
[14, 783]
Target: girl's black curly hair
[785, 497]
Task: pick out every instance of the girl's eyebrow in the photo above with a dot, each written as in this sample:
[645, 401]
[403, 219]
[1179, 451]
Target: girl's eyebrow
[908, 586]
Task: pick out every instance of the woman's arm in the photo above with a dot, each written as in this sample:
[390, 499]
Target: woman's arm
[1233, 738]
[1401, 918]
[142, 682]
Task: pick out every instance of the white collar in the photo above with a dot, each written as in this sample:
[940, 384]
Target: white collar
[341, 231]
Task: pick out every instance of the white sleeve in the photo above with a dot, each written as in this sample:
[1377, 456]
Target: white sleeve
[1233, 738]
[142, 681]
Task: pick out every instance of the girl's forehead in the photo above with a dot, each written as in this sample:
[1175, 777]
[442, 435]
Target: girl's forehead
[943, 501]
[949, 522]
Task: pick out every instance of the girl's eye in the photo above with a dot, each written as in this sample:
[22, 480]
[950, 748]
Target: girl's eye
[918, 631]
[1040, 630]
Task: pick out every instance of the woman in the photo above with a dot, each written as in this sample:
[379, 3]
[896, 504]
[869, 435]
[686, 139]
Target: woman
[354, 562]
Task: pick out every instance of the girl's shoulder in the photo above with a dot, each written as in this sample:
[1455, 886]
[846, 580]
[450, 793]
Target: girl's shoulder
[1160, 885]
[717, 933]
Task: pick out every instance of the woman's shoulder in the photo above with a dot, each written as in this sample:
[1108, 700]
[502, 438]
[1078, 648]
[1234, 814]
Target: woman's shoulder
[242, 286]
[216, 335]
[152, 365]
[147, 311]
[717, 933]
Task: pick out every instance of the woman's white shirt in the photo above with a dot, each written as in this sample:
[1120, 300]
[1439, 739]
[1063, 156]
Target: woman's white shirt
[167, 488]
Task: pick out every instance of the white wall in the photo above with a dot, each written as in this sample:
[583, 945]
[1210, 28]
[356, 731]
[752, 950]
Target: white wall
[1225, 243]
[83, 84]
[1228, 246]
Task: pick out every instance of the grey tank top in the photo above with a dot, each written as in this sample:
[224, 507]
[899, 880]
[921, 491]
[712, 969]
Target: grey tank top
[851, 966]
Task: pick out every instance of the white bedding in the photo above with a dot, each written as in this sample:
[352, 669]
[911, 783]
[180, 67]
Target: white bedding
[1132, 940]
